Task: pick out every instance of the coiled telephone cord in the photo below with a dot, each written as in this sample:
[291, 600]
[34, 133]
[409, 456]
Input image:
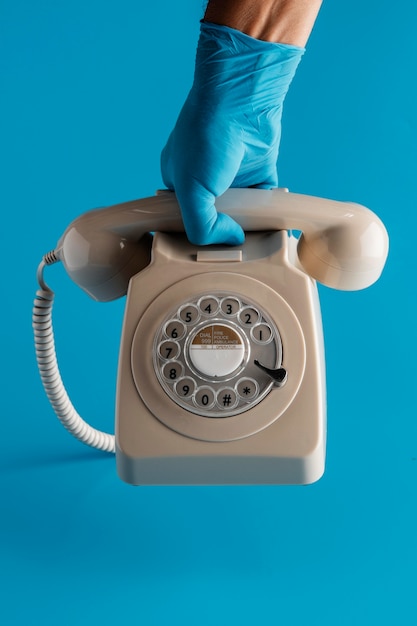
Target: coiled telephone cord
[49, 371]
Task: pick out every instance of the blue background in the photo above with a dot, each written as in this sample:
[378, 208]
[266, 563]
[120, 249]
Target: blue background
[90, 91]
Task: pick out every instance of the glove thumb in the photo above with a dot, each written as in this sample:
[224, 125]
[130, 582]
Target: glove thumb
[202, 223]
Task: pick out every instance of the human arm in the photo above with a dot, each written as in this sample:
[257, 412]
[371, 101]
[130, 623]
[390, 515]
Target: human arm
[279, 21]
[229, 129]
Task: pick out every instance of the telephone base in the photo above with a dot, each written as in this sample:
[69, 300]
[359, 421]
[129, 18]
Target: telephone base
[221, 470]
[171, 425]
[163, 459]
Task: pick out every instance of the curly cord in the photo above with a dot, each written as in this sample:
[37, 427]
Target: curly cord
[49, 371]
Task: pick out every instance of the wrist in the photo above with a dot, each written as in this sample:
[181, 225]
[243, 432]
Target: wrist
[232, 67]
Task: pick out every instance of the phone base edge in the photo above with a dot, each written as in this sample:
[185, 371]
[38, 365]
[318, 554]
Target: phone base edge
[222, 470]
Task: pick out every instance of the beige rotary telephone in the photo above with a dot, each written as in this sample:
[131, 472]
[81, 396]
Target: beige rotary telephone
[221, 375]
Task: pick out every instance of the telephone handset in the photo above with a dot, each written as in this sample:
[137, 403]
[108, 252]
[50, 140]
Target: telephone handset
[221, 374]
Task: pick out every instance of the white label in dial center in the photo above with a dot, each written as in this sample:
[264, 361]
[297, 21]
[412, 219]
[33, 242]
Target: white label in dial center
[216, 350]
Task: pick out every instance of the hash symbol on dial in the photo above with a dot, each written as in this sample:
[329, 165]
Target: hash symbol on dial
[227, 399]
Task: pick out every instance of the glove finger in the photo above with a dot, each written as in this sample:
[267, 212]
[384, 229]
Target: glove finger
[265, 177]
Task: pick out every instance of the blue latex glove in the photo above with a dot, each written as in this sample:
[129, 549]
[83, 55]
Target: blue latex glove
[229, 129]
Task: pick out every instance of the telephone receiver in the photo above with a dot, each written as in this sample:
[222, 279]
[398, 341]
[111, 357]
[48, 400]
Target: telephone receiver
[343, 245]
[221, 371]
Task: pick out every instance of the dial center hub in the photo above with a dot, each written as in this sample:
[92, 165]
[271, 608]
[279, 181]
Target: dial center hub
[216, 350]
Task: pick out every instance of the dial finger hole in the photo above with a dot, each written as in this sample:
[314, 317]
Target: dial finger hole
[169, 350]
[172, 371]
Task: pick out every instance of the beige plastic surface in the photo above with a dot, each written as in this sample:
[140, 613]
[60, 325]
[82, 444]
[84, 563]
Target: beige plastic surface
[344, 245]
[279, 441]
[241, 425]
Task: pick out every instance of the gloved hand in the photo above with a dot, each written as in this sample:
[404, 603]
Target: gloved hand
[229, 129]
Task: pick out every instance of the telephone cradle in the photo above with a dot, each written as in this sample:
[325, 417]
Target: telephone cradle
[221, 376]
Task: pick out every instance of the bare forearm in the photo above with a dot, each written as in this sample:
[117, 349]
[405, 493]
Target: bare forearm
[280, 21]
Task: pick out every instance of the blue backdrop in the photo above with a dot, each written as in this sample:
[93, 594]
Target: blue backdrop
[90, 91]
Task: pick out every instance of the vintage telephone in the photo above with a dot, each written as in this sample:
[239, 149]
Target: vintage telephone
[221, 374]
